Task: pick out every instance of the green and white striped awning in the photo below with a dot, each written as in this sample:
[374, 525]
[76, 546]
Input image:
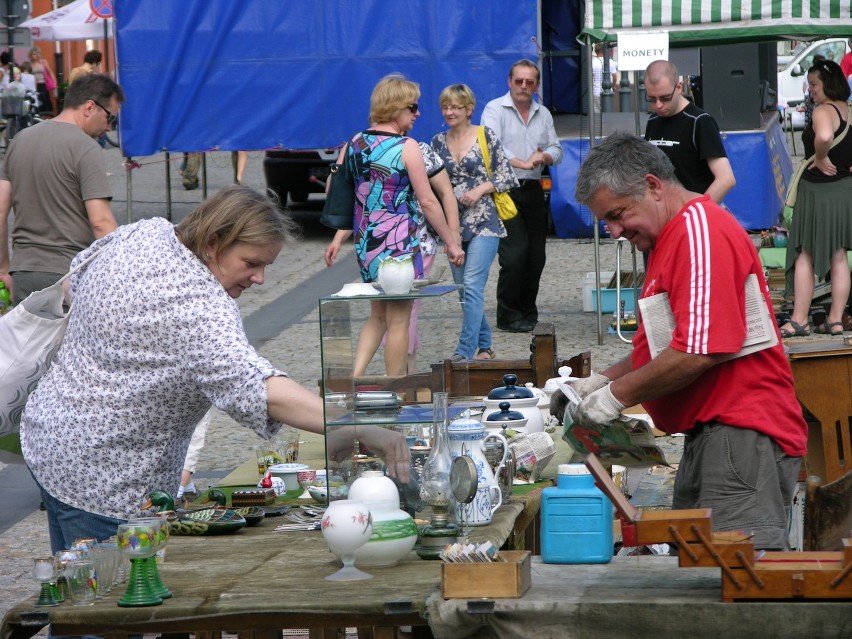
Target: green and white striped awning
[700, 22]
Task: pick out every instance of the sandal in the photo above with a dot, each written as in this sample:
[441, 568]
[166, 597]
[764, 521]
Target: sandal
[484, 353]
[799, 330]
[455, 357]
[826, 328]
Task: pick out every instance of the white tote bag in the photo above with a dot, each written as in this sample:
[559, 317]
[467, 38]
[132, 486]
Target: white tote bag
[30, 335]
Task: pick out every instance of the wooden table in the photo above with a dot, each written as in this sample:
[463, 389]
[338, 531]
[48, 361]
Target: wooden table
[257, 581]
[254, 582]
[633, 598]
[822, 372]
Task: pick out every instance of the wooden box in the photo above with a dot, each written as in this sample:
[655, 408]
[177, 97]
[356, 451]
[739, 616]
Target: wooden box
[508, 579]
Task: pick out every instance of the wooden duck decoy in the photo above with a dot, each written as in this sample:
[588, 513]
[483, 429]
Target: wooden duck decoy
[205, 521]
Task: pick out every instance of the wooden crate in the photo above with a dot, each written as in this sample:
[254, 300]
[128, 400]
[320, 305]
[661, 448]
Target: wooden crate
[508, 579]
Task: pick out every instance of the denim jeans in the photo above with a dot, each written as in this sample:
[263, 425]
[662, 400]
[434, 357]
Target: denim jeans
[67, 523]
[473, 275]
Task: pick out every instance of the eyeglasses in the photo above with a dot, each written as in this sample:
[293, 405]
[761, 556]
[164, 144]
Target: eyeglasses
[453, 107]
[111, 119]
[414, 108]
[520, 82]
[650, 99]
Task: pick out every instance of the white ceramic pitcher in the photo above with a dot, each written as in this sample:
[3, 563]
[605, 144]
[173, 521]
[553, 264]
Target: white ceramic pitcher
[467, 437]
[396, 274]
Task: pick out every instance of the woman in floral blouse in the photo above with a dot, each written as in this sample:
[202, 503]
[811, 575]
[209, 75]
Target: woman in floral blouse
[481, 228]
[154, 339]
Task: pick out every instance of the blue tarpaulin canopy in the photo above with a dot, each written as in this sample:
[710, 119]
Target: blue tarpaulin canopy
[255, 74]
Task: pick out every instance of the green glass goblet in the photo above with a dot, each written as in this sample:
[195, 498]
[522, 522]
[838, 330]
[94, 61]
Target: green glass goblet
[44, 572]
[138, 541]
[151, 571]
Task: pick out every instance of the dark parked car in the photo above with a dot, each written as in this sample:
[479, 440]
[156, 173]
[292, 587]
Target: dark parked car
[297, 172]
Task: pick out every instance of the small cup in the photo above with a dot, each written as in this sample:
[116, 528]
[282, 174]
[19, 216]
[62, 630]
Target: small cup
[82, 582]
[289, 445]
[267, 456]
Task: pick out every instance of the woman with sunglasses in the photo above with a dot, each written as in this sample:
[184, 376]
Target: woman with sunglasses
[481, 228]
[820, 232]
[392, 194]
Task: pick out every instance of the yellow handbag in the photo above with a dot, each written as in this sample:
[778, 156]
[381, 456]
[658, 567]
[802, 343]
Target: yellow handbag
[506, 208]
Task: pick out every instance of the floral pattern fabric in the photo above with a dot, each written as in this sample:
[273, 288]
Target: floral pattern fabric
[468, 173]
[434, 165]
[387, 215]
[153, 340]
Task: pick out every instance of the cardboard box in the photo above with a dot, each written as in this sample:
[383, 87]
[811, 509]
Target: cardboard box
[508, 579]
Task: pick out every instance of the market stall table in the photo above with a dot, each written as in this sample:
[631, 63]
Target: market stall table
[632, 597]
[253, 581]
[822, 372]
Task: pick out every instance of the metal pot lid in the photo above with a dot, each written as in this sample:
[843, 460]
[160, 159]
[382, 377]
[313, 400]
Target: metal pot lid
[510, 390]
[505, 414]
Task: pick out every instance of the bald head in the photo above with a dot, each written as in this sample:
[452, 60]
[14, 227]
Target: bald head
[660, 70]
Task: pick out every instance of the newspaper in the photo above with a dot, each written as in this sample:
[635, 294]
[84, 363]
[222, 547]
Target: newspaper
[626, 441]
[659, 322]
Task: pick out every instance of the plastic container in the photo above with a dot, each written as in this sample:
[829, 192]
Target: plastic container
[576, 519]
[589, 285]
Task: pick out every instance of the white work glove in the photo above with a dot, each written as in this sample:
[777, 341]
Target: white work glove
[583, 387]
[598, 409]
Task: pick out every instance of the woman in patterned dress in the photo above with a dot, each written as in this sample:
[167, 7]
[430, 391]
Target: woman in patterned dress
[443, 189]
[481, 228]
[392, 195]
[153, 340]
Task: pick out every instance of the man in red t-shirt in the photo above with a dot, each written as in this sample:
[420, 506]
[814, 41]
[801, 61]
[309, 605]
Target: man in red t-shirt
[846, 62]
[745, 435]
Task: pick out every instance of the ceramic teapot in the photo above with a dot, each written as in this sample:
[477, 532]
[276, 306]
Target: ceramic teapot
[396, 274]
[467, 437]
[521, 398]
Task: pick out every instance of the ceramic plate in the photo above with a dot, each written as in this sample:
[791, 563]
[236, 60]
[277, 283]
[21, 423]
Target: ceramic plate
[354, 289]
[252, 514]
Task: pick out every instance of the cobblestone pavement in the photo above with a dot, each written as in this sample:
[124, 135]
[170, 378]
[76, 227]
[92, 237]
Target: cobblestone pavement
[296, 349]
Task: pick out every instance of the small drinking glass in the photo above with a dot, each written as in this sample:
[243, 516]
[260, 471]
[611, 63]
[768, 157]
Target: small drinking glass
[82, 582]
[44, 572]
[267, 455]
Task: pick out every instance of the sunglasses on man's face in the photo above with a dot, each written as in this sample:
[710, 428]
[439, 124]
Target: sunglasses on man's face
[520, 82]
[111, 119]
[651, 99]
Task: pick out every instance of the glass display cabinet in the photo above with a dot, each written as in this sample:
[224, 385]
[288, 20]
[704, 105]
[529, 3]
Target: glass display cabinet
[359, 410]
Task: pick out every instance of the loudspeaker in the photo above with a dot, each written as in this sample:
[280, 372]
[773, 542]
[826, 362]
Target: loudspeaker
[730, 81]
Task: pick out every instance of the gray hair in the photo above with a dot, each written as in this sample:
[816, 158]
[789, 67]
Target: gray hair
[620, 163]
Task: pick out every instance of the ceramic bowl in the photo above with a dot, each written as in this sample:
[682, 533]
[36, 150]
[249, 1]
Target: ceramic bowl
[354, 289]
[287, 472]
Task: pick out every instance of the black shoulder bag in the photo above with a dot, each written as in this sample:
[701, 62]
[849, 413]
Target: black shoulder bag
[339, 209]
